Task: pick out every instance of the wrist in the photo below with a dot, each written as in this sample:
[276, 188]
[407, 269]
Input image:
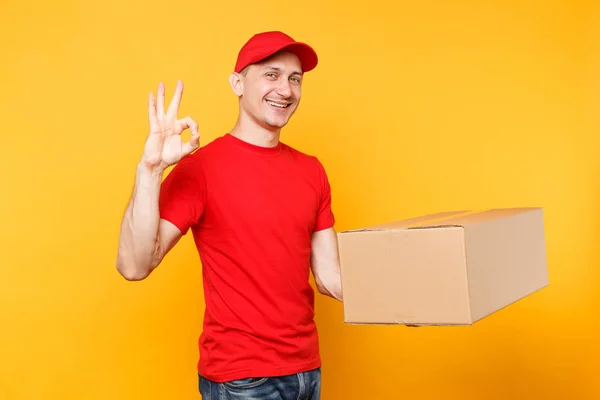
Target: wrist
[147, 168]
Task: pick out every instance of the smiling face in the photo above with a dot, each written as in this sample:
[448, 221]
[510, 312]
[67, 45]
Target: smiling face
[269, 91]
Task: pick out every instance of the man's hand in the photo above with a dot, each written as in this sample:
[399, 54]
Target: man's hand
[164, 146]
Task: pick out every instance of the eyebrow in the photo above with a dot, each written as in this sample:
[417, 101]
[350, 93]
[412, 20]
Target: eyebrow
[280, 70]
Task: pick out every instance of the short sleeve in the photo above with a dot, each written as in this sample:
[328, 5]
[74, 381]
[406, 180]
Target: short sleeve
[325, 217]
[182, 194]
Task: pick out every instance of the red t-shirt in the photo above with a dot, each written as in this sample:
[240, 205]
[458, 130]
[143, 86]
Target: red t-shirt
[252, 211]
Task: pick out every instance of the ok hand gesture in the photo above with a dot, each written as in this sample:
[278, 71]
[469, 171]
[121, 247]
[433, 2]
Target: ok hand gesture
[164, 146]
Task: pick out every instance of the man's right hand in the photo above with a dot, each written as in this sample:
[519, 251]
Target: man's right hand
[164, 146]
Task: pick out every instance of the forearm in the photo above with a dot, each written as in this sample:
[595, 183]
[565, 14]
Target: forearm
[139, 245]
[325, 263]
[329, 283]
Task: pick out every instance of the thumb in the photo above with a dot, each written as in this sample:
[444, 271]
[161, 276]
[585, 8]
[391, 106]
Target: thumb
[193, 143]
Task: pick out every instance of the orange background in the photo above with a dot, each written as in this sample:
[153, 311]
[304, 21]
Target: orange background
[416, 107]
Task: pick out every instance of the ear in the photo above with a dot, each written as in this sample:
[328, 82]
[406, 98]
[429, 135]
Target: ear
[237, 84]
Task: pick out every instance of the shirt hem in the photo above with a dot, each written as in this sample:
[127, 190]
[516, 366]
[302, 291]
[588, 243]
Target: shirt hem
[175, 221]
[259, 372]
[324, 226]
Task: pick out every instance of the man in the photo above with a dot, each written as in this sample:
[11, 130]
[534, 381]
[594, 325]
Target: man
[261, 218]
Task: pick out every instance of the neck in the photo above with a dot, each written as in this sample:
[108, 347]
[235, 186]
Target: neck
[249, 131]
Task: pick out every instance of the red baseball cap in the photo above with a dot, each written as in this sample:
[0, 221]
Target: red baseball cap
[265, 44]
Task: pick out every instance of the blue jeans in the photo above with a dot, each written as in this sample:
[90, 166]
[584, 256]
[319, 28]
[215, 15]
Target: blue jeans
[301, 386]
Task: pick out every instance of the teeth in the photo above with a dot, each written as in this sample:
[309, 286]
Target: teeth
[276, 105]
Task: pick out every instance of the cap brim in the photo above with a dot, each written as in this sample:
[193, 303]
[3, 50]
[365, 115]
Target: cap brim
[307, 55]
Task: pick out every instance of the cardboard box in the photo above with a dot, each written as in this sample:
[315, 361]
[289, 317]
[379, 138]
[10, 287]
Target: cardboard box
[451, 268]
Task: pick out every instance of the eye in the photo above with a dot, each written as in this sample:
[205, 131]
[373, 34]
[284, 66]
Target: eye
[271, 75]
[295, 79]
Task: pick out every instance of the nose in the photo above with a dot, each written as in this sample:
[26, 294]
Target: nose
[284, 89]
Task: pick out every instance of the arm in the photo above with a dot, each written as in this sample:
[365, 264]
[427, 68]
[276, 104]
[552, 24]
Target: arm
[325, 263]
[145, 238]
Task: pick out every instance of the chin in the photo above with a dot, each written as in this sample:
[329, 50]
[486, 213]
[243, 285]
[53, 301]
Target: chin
[276, 123]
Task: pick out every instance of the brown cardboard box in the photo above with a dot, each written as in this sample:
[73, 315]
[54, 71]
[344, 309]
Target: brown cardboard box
[451, 268]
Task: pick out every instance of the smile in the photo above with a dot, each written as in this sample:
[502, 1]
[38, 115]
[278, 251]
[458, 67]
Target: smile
[278, 105]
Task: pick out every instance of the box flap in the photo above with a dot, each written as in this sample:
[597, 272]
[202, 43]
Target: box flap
[476, 217]
[406, 223]
[445, 219]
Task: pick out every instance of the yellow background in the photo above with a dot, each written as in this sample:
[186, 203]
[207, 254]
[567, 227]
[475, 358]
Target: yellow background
[416, 107]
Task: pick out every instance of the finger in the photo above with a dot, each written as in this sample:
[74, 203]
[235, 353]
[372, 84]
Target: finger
[151, 109]
[194, 142]
[160, 100]
[188, 122]
[192, 145]
[176, 100]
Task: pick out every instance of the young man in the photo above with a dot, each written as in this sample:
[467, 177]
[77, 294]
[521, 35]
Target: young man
[260, 214]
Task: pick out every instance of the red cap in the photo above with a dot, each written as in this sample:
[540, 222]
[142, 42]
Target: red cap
[265, 44]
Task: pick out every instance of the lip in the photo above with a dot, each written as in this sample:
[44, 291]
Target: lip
[275, 108]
